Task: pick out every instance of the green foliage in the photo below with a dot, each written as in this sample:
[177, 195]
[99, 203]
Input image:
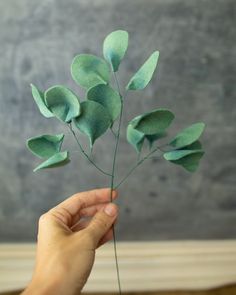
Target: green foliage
[104, 106]
[135, 138]
[153, 122]
[188, 135]
[93, 121]
[62, 102]
[114, 48]
[189, 159]
[107, 97]
[39, 100]
[89, 70]
[45, 146]
[144, 74]
[57, 160]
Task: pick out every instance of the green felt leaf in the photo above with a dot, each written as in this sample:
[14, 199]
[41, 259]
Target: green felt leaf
[89, 70]
[154, 137]
[62, 102]
[153, 122]
[193, 146]
[39, 100]
[144, 74]
[135, 138]
[189, 159]
[93, 121]
[107, 97]
[57, 160]
[45, 146]
[188, 135]
[114, 48]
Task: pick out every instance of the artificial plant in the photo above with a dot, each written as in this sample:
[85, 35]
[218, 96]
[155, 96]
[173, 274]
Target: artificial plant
[102, 107]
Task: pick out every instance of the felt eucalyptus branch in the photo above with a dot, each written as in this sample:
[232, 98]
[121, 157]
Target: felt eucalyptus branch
[102, 107]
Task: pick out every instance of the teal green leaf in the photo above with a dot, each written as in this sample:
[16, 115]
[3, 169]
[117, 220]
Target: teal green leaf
[93, 121]
[107, 97]
[144, 74]
[135, 138]
[89, 70]
[57, 160]
[45, 146]
[196, 145]
[189, 159]
[153, 122]
[114, 48]
[39, 100]
[62, 102]
[188, 135]
[154, 137]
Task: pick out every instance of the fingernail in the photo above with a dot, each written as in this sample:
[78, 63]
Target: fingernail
[110, 210]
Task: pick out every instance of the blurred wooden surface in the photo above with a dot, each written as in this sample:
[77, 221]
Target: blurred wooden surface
[144, 266]
[229, 290]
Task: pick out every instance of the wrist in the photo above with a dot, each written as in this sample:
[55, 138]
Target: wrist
[44, 287]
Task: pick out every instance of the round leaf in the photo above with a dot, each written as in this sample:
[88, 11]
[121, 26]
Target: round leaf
[57, 160]
[188, 135]
[144, 74]
[189, 159]
[135, 138]
[39, 100]
[114, 48]
[107, 97]
[153, 122]
[45, 146]
[62, 102]
[93, 121]
[89, 70]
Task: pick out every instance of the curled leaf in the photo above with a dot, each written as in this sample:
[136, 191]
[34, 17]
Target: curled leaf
[88, 70]
[153, 122]
[114, 48]
[189, 159]
[144, 74]
[62, 102]
[45, 146]
[93, 121]
[107, 97]
[57, 160]
[188, 135]
[39, 100]
[135, 138]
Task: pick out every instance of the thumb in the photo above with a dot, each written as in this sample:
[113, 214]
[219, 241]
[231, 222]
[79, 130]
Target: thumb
[102, 222]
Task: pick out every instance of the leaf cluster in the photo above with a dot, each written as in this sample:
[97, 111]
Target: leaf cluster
[97, 112]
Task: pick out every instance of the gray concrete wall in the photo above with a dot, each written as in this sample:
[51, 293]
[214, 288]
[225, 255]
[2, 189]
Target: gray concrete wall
[195, 78]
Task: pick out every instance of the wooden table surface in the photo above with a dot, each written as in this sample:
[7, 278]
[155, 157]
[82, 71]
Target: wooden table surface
[228, 290]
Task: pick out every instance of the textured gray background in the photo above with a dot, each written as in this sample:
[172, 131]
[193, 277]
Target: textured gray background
[195, 78]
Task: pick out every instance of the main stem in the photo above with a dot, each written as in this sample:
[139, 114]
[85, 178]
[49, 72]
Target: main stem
[112, 182]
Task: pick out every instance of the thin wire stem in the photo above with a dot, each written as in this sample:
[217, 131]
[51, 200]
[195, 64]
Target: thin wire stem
[84, 153]
[112, 181]
[113, 132]
[136, 166]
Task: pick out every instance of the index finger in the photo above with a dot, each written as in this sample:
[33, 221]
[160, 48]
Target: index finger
[70, 207]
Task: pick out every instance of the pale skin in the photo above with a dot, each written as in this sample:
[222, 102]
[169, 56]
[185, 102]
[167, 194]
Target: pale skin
[67, 242]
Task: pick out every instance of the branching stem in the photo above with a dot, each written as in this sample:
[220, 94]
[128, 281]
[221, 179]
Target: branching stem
[85, 154]
[136, 166]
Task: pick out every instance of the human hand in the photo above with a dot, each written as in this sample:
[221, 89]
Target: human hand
[66, 244]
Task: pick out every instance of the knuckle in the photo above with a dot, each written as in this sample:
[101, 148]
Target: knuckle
[43, 218]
